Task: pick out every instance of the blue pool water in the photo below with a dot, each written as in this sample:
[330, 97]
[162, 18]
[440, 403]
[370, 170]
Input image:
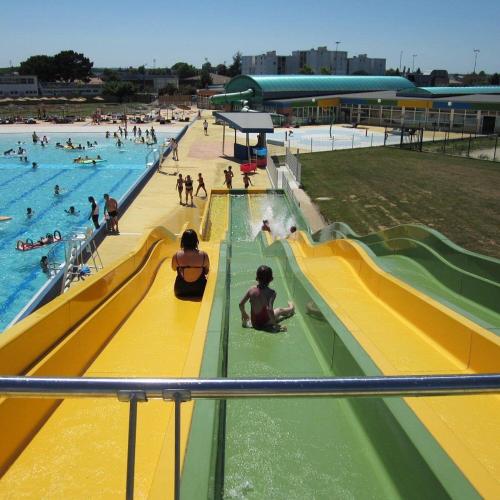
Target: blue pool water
[22, 187]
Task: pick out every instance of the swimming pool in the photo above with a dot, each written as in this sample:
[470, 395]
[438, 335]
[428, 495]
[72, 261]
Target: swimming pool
[21, 187]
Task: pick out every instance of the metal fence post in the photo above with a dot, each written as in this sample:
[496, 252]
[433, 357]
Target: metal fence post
[178, 397]
[132, 398]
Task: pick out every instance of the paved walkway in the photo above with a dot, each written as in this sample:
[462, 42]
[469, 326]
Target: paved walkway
[158, 203]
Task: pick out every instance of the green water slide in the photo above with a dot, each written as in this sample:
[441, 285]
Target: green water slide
[299, 448]
[462, 280]
[231, 97]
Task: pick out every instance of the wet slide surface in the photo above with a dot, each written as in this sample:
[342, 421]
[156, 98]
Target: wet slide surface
[80, 452]
[307, 448]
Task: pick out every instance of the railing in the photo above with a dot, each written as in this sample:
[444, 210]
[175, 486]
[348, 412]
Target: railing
[272, 171]
[134, 390]
[294, 165]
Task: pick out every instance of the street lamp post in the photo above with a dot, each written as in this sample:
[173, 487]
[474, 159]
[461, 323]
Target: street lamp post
[413, 64]
[400, 59]
[476, 52]
[336, 56]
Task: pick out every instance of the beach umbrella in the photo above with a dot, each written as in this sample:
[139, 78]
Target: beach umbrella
[44, 98]
[62, 98]
[75, 99]
[98, 98]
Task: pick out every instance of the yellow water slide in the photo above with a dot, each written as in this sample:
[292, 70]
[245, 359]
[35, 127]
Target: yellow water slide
[123, 322]
[406, 332]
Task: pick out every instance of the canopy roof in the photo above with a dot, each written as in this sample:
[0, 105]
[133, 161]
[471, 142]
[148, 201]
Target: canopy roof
[448, 91]
[247, 122]
[283, 86]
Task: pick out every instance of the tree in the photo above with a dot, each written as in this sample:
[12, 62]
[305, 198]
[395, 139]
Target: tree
[306, 70]
[360, 72]
[72, 66]
[184, 70]
[169, 89]
[221, 69]
[495, 79]
[119, 90]
[235, 68]
[109, 75]
[41, 66]
[325, 71]
[205, 78]
[392, 72]
[141, 70]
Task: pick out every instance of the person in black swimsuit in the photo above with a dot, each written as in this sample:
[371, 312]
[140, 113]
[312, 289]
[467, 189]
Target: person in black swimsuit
[188, 184]
[192, 266]
[179, 185]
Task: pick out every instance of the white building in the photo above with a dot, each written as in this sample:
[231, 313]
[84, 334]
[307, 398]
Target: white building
[14, 85]
[362, 64]
[334, 62]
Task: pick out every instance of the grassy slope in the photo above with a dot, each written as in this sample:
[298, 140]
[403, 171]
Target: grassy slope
[372, 189]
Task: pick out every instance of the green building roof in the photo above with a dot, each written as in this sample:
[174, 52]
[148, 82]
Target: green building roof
[448, 91]
[283, 86]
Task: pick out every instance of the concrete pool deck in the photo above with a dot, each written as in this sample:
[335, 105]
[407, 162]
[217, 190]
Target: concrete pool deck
[158, 203]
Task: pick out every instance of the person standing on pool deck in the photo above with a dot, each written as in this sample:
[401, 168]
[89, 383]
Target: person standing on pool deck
[201, 185]
[263, 316]
[188, 183]
[246, 180]
[111, 208]
[94, 212]
[179, 185]
[205, 127]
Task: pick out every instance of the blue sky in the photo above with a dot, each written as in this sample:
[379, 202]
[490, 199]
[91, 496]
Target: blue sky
[443, 34]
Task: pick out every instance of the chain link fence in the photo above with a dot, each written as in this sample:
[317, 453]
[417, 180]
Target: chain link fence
[471, 146]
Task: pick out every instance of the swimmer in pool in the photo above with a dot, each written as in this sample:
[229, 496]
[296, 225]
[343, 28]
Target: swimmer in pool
[57, 190]
[29, 213]
[263, 316]
[72, 211]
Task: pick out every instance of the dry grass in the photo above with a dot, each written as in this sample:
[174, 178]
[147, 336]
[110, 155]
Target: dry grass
[375, 188]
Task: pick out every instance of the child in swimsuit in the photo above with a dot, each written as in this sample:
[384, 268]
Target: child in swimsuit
[201, 185]
[263, 316]
[188, 183]
[180, 187]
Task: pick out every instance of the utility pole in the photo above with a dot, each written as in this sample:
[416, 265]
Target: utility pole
[336, 56]
[476, 52]
[413, 64]
[400, 59]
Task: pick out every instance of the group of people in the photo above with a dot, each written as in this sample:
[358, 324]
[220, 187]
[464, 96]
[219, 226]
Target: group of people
[228, 178]
[192, 266]
[186, 184]
[110, 213]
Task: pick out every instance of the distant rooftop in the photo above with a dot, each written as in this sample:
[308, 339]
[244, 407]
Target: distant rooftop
[448, 91]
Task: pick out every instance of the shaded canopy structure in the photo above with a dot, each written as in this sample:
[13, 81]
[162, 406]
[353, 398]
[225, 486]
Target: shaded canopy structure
[247, 123]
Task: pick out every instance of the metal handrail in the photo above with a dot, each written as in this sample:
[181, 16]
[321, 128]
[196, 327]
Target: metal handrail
[178, 390]
[163, 388]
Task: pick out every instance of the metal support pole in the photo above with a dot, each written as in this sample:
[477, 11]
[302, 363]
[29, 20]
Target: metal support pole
[371, 141]
[311, 144]
[352, 145]
[132, 397]
[177, 466]
[495, 150]
[223, 136]
[132, 428]
[468, 146]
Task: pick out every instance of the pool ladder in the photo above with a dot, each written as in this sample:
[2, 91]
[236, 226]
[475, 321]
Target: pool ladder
[80, 251]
